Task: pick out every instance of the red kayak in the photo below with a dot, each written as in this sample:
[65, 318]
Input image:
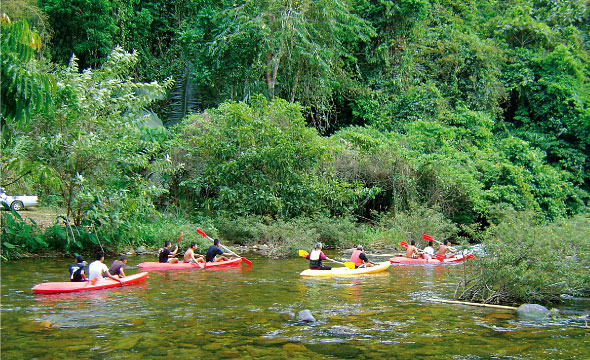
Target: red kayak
[66, 286]
[405, 260]
[156, 266]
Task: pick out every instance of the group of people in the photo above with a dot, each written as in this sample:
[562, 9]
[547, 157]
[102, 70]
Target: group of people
[316, 256]
[214, 254]
[429, 252]
[97, 269]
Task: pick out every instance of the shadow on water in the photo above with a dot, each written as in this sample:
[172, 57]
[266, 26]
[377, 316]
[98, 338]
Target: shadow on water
[250, 312]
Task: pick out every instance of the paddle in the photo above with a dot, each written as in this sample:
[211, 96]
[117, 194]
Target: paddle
[226, 249]
[348, 264]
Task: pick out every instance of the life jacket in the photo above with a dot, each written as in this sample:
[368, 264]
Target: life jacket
[314, 259]
[355, 257]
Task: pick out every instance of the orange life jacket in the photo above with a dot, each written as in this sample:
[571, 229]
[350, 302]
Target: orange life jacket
[355, 257]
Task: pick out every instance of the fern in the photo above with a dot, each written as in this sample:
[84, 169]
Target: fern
[183, 96]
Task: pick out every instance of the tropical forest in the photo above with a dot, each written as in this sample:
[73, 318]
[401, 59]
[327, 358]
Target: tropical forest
[291, 122]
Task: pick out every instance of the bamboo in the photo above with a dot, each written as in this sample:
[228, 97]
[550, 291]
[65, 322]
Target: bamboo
[474, 304]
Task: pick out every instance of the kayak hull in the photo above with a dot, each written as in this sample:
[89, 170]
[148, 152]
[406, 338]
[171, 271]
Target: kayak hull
[405, 260]
[344, 271]
[158, 266]
[66, 286]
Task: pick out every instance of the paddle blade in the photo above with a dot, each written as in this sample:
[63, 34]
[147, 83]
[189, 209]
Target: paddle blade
[303, 253]
[470, 256]
[248, 262]
[427, 237]
[202, 233]
[180, 238]
[403, 244]
[440, 257]
[350, 265]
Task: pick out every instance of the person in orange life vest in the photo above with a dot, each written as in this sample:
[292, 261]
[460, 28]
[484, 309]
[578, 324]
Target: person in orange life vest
[359, 258]
[316, 256]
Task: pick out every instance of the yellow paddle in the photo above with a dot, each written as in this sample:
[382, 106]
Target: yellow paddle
[348, 264]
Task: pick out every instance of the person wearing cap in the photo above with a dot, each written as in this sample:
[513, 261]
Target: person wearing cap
[315, 258]
[77, 270]
[359, 258]
[117, 266]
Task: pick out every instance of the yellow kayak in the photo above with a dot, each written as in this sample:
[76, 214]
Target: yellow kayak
[344, 271]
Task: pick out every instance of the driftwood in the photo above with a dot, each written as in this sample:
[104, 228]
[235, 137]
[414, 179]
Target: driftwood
[504, 307]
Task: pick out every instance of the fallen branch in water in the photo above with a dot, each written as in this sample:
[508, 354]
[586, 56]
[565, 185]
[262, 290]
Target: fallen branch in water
[473, 304]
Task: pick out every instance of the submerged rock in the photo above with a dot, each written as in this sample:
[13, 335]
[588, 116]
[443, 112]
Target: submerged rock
[535, 311]
[305, 315]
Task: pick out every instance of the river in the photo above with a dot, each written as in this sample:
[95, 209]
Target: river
[249, 313]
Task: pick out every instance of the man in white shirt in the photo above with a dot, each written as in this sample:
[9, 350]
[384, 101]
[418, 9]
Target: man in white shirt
[428, 251]
[97, 268]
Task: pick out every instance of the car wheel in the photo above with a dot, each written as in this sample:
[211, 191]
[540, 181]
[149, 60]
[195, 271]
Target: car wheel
[17, 205]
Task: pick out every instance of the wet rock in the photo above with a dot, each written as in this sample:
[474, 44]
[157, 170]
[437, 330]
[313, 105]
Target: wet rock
[130, 251]
[348, 251]
[141, 250]
[305, 315]
[534, 311]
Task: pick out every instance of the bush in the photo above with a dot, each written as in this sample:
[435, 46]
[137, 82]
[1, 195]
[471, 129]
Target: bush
[529, 263]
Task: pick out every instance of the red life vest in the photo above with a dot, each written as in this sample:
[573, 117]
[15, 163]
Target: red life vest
[355, 257]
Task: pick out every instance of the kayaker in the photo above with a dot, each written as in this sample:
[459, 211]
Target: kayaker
[167, 256]
[412, 252]
[189, 255]
[316, 256]
[428, 252]
[117, 266]
[444, 248]
[359, 258]
[77, 270]
[97, 268]
[214, 250]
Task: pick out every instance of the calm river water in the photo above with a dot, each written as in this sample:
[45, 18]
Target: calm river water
[249, 313]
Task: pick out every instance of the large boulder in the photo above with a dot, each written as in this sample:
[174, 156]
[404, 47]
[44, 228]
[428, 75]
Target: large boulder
[533, 311]
[305, 315]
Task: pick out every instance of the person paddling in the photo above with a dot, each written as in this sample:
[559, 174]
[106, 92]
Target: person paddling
[117, 266]
[359, 258]
[214, 250]
[412, 252]
[445, 247]
[167, 256]
[189, 255]
[77, 270]
[316, 256]
[96, 269]
[428, 252]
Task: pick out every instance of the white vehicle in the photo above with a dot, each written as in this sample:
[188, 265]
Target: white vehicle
[17, 202]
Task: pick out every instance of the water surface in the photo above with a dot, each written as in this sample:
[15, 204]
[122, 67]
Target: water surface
[249, 313]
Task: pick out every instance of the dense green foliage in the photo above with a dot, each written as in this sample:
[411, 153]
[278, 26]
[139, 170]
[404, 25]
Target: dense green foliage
[293, 121]
[524, 263]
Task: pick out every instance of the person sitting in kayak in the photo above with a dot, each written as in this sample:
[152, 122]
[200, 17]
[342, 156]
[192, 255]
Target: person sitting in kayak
[412, 251]
[77, 270]
[189, 255]
[428, 252]
[214, 250]
[444, 248]
[97, 268]
[167, 256]
[117, 266]
[315, 258]
[359, 258]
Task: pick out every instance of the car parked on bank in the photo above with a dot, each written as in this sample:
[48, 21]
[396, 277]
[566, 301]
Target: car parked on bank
[17, 202]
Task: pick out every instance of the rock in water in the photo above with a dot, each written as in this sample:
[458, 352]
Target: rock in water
[533, 311]
[305, 315]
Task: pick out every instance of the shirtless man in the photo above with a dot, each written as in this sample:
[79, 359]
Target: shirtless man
[189, 255]
[412, 252]
[444, 247]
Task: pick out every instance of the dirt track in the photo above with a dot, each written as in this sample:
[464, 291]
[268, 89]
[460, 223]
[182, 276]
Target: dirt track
[44, 217]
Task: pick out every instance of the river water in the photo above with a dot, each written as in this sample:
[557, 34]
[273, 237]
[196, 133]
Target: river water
[249, 313]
